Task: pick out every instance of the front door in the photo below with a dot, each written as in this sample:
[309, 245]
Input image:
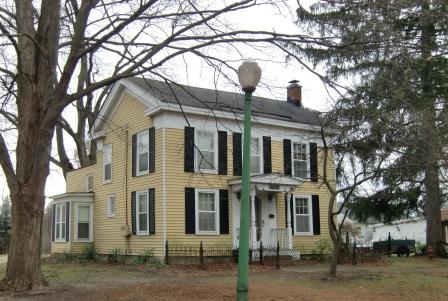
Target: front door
[265, 216]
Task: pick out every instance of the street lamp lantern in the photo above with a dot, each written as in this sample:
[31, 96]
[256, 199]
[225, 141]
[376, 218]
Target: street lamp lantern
[249, 74]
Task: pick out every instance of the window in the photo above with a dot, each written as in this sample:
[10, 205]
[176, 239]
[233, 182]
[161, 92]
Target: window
[299, 160]
[60, 222]
[302, 214]
[89, 183]
[207, 214]
[255, 156]
[143, 152]
[83, 218]
[206, 154]
[142, 213]
[107, 163]
[111, 205]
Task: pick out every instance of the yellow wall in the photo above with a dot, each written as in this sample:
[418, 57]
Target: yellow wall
[107, 236]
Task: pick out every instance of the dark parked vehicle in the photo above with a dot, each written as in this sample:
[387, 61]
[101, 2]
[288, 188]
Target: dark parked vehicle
[400, 247]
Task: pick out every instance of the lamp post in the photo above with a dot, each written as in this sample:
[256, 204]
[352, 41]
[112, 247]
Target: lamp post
[249, 74]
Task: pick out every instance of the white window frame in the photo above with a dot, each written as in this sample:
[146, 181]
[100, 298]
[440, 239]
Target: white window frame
[111, 197]
[137, 212]
[89, 183]
[310, 215]
[62, 209]
[90, 238]
[307, 160]
[197, 152]
[107, 147]
[143, 172]
[260, 145]
[217, 221]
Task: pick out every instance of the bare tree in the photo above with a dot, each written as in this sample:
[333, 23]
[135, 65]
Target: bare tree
[56, 53]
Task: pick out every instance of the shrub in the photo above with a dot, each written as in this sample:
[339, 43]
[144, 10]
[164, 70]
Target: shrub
[116, 256]
[146, 257]
[90, 252]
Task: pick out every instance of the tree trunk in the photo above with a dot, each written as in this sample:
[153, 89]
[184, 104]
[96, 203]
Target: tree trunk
[432, 208]
[23, 272]
[337, 243]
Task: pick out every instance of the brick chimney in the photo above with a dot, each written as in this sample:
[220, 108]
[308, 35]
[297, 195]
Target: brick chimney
[294, 93]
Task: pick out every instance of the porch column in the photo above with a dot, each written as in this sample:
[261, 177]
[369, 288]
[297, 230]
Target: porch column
[288, 219]
[253, 228]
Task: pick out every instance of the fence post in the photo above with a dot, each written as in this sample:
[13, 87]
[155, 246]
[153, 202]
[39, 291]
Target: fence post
[261, 253]
[201, 256]
[354, 252]
[251, 253]
[389, 244]
[277, 257]
[167, 253]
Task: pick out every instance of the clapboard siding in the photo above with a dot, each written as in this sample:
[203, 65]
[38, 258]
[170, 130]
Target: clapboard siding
[107, 234]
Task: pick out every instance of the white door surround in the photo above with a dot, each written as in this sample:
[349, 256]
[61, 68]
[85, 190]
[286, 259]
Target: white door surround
[263, 189]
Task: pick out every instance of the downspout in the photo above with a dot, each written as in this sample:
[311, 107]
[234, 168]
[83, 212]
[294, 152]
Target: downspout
[126, 136]
[164, 189]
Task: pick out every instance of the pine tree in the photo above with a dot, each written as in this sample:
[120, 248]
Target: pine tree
[5, 222]
[397, 53]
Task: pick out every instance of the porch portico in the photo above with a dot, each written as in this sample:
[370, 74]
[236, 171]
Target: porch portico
[263, 209]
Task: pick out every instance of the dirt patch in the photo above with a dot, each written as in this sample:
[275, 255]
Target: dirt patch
[394, 280]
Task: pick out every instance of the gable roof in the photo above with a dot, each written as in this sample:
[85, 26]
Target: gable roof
[225, 101]
[156, 94]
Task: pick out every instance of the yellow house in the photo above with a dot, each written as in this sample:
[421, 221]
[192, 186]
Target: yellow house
[169, 165]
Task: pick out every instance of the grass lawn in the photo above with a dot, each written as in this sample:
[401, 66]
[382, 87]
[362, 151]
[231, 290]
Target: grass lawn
[394, 279]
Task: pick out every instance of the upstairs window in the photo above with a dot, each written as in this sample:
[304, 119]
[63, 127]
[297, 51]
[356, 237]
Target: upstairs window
[299, 160]
[107, 163]
[255, 156]
[143, 152]
[89, 183]
[205, 151]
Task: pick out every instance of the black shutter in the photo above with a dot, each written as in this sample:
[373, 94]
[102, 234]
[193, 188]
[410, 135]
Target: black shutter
[152, 208]
[152, 150]
[53, 225]
[237, 160]
[133, 213]
[267, 161]
[222, 152]
[223, 211]
[313, 162]
[190, 220]
[291, 207]
[67, 221]
[316, 215]
[134, 154]
[291, 210]
[189, 149]
[287, 157]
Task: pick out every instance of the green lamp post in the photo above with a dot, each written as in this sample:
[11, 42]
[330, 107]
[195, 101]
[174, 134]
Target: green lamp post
[249, 74]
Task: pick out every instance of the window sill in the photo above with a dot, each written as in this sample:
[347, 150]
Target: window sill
[206, 171]
[142, 173]
[111, 216]
[208, 233]
[83, 240]
[303, 234]
[107, 182]
[142, 233]
[61, 241]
